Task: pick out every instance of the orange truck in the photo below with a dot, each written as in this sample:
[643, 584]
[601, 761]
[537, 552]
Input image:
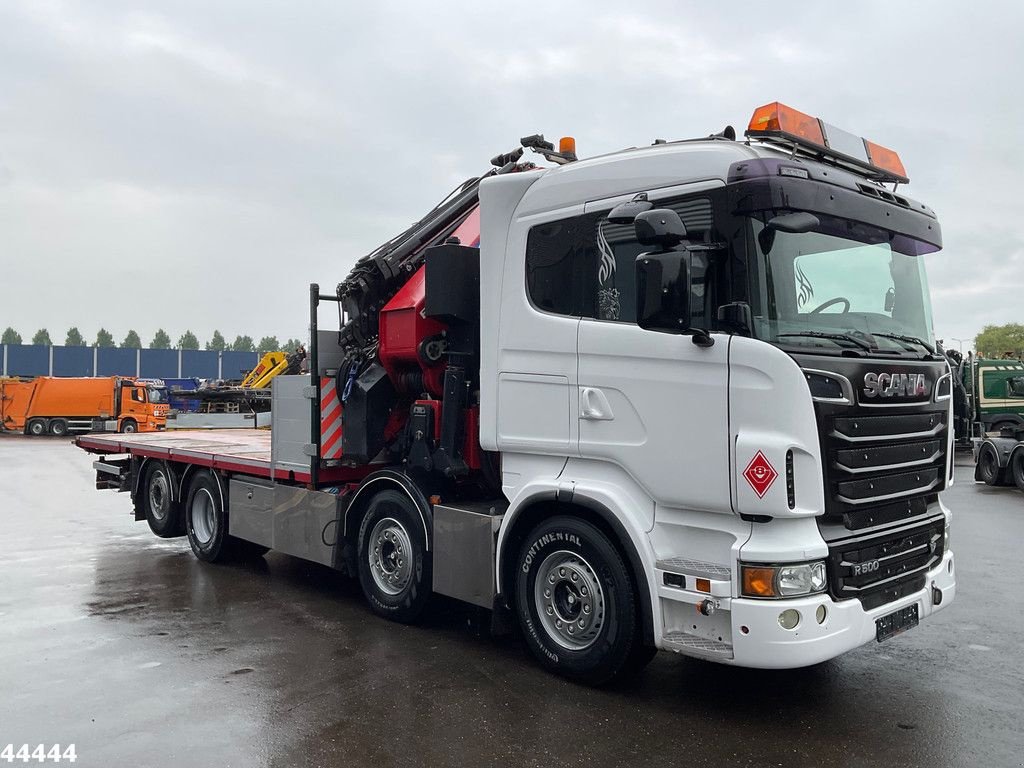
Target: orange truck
[57, 406]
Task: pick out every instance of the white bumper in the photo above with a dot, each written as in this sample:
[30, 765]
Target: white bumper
[765, 644]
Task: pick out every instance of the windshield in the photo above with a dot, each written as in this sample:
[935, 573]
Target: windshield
[843, 285]
[157, 395]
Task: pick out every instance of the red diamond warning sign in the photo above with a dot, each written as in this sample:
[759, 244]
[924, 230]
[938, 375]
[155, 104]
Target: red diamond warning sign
[760, 474]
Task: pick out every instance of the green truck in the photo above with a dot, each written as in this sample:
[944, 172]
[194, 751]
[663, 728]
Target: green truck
[988, 396]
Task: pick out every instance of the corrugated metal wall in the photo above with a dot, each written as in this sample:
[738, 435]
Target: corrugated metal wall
[37, 360]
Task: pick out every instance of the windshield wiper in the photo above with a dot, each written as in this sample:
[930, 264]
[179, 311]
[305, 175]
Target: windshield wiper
[834, 336]
[908, 339]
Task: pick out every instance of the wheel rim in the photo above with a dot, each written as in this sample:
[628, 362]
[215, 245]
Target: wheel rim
[58, 428]
[569, 600]
[390, 556]
[129, 427]
[203, 516]
[159, 495]
[37, 428]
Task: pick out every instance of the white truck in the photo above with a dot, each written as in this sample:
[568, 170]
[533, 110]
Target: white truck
[680, 397]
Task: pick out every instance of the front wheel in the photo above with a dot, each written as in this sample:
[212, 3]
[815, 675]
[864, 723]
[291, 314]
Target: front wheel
[129, 425]
[576, 602]
[394, 565]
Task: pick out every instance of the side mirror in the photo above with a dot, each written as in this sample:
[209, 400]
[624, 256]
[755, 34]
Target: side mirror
[737, 318]
[626, 213]
[661, 227]
[794, 223]
[663, 292]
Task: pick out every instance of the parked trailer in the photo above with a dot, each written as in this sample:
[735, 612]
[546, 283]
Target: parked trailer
[681, 397]
[57, 406]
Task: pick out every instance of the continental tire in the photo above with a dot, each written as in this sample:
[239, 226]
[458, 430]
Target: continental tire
[1017, 468]
[206, 525]
[394, 566]
[988, 465]
[576, 603]
[162, 512]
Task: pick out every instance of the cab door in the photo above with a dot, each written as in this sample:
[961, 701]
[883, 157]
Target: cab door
[656, 403]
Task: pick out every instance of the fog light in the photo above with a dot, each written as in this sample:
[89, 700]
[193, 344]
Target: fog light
[789, 619]
[821, 614]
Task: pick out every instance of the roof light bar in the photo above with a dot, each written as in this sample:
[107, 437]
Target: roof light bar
[779, 123]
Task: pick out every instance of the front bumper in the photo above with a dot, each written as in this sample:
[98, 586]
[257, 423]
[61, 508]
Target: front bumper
[765, 644]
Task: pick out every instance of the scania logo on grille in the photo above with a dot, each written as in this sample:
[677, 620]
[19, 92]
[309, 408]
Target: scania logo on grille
[868, 566]
[895, 385]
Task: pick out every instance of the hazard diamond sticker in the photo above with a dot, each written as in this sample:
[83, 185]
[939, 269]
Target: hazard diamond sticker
[760, 474]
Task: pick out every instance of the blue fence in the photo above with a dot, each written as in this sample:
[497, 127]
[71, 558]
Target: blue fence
[117, 362]
[37, 360]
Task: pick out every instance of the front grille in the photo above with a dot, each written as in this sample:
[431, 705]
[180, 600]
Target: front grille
[880, 568]
[881, 468]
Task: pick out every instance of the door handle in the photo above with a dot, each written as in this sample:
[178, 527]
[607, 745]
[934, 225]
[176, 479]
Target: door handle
[594, 405]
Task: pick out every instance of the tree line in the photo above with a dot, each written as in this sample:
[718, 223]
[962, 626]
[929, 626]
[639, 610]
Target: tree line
[161, 340]
[999, 341]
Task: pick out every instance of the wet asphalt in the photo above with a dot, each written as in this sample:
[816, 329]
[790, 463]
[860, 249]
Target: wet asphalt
[131, 649]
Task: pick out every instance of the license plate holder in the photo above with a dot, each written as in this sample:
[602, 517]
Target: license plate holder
[896, 622]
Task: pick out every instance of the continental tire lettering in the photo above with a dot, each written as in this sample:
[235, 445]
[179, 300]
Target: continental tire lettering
[543, 541]
[544, 649]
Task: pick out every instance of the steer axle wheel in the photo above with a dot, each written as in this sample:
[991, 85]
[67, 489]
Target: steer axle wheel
[576, 603]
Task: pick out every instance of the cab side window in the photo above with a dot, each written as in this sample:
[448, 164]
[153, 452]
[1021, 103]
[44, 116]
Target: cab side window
[1015, 387]
[138, 395]
[584, 266]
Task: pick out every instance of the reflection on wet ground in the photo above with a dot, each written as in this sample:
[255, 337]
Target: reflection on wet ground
[130, 648]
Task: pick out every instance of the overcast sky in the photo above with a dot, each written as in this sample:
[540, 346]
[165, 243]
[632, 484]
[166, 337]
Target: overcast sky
[195, 165]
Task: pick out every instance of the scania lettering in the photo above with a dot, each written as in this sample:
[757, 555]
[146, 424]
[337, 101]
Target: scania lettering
[681, 397]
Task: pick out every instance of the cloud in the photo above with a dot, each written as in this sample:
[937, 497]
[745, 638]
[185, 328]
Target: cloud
[196, 165]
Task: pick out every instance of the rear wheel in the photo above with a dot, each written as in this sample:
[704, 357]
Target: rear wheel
[576, 603]
[988, 465]
[394, 565]
[1017, 469]
[205, 521]
[129, 425]
[58, 427]
[163, 513]
[36, 427]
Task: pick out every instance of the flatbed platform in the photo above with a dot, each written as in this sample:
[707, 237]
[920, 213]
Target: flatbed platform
[246, 451]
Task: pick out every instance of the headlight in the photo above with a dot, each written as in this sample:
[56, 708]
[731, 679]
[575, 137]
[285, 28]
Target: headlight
[788, 580]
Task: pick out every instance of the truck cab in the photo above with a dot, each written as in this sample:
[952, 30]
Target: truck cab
[143, 406]
[773, 435]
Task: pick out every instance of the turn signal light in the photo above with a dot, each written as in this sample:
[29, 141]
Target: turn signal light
[758, 582]
[779, 118]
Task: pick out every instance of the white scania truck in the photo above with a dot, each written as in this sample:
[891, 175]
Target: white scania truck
[680, 397]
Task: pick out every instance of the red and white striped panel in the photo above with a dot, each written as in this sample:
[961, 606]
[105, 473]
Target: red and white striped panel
[330, 419]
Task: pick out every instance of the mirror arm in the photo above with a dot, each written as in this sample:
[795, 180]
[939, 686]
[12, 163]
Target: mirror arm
[700, 337]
